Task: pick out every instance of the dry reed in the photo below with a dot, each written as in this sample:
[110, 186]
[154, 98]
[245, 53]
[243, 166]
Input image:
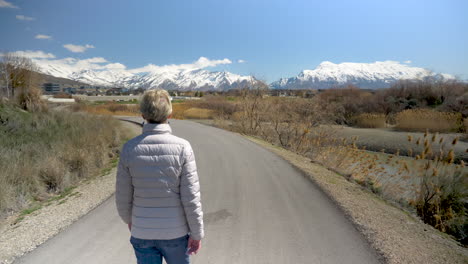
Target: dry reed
[370, 120]
[426, 119]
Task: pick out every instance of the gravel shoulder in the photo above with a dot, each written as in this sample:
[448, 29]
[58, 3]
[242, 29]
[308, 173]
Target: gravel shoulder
[397, 235]
[16, 239]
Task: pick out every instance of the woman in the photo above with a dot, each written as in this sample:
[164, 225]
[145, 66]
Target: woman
[157, 188]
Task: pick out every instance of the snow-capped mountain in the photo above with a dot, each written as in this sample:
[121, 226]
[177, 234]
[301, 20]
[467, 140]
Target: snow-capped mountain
[364, 75]
[102, 78]
[326, 75]
[197, 79]
[173, 79]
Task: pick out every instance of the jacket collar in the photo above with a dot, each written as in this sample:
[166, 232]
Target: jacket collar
[156, 128]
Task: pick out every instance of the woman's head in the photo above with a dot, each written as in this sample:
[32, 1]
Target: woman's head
[156, 106]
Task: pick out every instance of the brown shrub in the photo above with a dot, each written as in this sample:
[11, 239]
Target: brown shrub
[30, 99]
[345, 103]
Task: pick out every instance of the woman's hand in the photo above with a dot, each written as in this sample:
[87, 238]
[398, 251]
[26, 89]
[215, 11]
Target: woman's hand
[193, 246]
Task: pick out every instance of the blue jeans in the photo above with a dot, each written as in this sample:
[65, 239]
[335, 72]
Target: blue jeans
[174, 251]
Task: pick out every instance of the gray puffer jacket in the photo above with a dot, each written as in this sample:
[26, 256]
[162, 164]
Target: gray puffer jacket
[157, 187]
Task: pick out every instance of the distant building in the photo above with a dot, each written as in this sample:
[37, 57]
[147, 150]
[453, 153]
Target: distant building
[51, 88]
[69, 90]
[115, 91]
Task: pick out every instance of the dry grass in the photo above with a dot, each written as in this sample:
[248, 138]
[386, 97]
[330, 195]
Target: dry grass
[179, 108]
[198, 113]
[43, 153]
[109, 108]
[370, 120]
[426, 119]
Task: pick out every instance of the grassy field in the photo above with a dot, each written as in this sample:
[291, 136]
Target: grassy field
[45, 153]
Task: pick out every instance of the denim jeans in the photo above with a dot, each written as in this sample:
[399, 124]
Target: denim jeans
[174, 251]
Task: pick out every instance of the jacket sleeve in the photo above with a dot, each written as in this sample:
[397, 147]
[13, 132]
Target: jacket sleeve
[190, 194]
[124, 190]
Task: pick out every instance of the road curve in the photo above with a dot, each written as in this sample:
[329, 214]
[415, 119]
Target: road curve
[258, 209]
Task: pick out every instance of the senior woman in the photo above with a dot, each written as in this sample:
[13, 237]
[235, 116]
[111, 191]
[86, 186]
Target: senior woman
[157, 188]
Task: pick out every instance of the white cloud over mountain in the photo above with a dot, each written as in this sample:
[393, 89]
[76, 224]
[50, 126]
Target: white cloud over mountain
[35, 54]
[78, 48]
[201, 63]
[99, 63]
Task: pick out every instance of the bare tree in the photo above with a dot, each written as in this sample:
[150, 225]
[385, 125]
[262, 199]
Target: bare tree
[20, 80]
[5, 76]
[251, 105]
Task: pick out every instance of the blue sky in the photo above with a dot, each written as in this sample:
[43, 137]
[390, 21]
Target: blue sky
[274, 38]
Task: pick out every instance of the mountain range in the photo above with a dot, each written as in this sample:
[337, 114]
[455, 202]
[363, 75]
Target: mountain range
[326, 75]
[364, 75]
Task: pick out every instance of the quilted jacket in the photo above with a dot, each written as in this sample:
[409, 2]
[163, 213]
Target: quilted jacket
[157, 187]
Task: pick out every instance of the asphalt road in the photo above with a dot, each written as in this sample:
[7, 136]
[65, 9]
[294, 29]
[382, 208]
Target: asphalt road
[258, 209]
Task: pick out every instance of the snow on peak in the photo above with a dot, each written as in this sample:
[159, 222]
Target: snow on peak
[151, 76]
[379, 74]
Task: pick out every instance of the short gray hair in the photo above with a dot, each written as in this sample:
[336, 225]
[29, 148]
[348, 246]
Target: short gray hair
[156, 106]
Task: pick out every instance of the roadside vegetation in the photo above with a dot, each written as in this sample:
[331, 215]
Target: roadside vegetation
[45, 152]
[429, 181]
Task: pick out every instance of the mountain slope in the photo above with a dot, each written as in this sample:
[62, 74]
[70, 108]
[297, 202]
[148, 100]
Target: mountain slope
[189, 80]
[173, 79]
[364, 75]
[326, 75]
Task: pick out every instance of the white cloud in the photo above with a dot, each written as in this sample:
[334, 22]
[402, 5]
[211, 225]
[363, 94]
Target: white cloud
[40, 36]
[241, 61]
[6, 4]
[115, 66]
[201, 63]
[407, 62]
[96, 60]
[78, 48]
[24, 18]
[67, 66]
[35, 54]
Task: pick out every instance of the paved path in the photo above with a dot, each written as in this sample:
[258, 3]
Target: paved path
[258, 209]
